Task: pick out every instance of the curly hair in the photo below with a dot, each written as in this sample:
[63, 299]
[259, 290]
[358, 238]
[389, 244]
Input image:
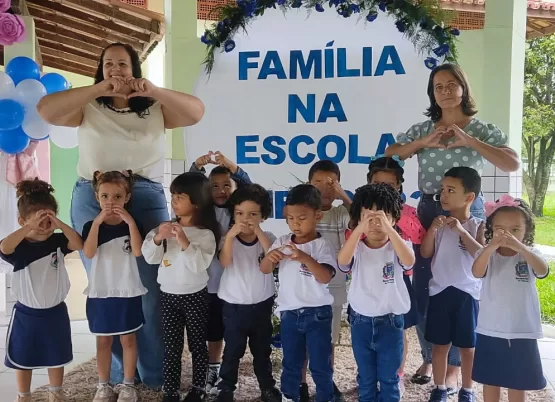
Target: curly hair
[526, 212]
[254, 193]
[388, 165]
[123, 179]
[382, 195]
[34, 195]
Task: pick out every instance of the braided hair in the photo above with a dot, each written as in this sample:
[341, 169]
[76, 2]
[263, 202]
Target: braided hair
[34, 195]
[382, 195]
[388, 165]
[526, 212]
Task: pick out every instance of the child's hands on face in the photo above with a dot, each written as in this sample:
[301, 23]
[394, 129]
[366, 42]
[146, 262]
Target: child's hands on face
[103, 215]
[499, 239]
[123, 214]
[35, 222]
[237, 229]
[55, 223]
[380, 221]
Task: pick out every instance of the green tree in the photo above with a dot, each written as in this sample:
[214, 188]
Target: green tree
[538, 134]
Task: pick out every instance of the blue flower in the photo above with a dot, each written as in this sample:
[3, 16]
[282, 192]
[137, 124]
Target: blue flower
[204, 38]
[372, 15]
[382, 6]
[281, 2]
[318, 7]
[455, 32]
[227, 22]
[247, 6]
[441, 50]
[355, 8]
[401, 26]
[229, 45]
[431, 62]
[221, 26]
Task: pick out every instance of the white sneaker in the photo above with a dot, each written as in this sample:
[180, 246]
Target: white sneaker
[126, 393]
[212, 376]
[284, 399]
[104, 393]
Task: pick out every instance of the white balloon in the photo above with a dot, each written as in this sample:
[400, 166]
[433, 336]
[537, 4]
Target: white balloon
[64, 137]
[28, 93]
[7, 87]
[34, 126]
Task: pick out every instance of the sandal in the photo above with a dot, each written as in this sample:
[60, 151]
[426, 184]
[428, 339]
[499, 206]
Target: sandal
[420, 379]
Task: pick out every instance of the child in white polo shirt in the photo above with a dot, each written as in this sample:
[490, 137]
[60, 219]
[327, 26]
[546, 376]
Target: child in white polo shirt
[247, 293]
[509, 323]
[307, 264]
[378, 297]
[454, 291]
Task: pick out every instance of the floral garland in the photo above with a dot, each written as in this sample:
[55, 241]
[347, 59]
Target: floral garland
[12, 27]
[421, 21]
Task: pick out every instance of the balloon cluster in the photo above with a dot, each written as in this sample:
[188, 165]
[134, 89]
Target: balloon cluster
[21, 88]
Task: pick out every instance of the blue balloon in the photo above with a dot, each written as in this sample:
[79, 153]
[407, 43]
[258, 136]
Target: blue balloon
[13, 141]
[54, 82]
[11, 114]
[22, 68]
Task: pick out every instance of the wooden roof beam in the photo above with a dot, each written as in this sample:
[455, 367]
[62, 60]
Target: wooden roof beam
[88, 29]
[144, 23]
[55, 45]
[86, 17]
[67, 65]
[64, 33]
[56, 37]
[137, 10]
[65, 56]
[74, 70]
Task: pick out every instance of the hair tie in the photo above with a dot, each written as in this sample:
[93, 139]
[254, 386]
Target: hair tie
[125, 173]
[505, 201]
[396, 158]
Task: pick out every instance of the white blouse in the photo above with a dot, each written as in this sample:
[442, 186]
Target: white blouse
[109, 140]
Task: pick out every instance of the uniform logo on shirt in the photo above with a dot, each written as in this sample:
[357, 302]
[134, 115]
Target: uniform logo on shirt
[522, 272]
[461, 244]
[54, 260]
[304, 270]
[388, 273]
[127, 246]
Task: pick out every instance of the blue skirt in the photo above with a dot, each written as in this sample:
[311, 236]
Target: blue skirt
[38, 338]
[411, 318]
[115, 315]
[513, 364]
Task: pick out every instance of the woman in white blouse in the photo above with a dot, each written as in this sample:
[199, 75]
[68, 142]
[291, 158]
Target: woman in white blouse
[122, 120]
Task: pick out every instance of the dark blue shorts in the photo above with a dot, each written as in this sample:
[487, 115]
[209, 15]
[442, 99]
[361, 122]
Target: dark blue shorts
[115, 315]
[38, 338]
[215, 328]
[514, 363]
[451, 319]
[411, 318]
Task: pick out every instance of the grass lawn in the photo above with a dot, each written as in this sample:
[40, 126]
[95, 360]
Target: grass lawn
[545, 234]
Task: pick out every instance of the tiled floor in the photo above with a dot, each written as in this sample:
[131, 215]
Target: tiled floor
[84, 349]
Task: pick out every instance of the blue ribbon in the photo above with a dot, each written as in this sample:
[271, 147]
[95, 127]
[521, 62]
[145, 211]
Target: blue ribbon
[396, 158]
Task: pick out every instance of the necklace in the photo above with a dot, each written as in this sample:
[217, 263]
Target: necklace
[121, 111]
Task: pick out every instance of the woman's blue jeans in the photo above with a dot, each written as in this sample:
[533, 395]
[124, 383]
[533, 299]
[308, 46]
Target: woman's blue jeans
[428, 210]
[148, 207]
